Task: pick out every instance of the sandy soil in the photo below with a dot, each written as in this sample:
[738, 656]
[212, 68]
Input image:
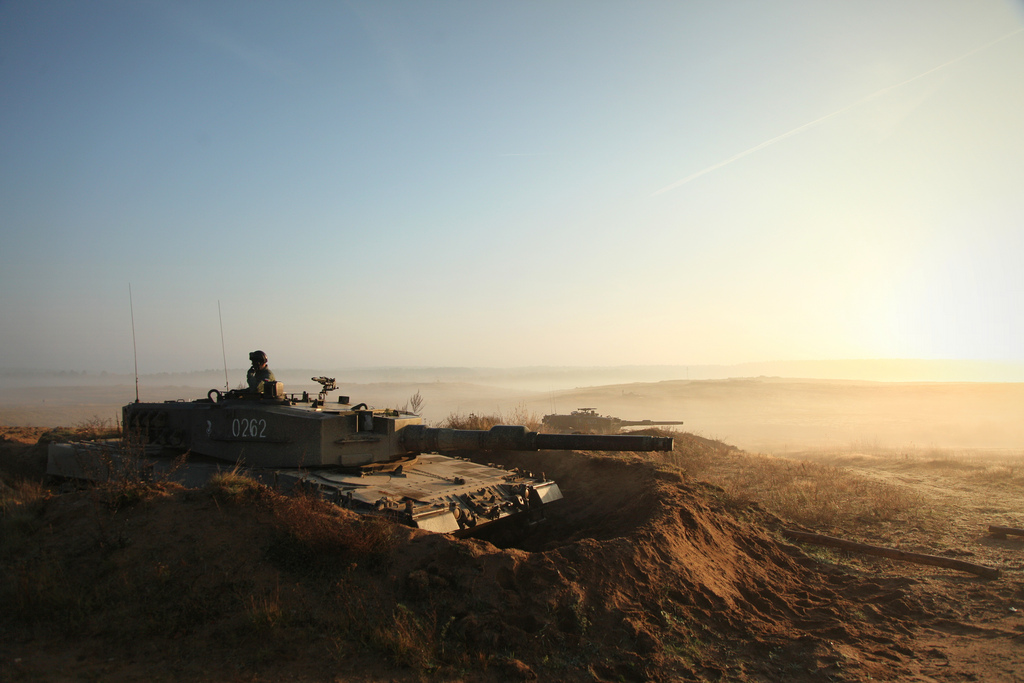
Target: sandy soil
[639, 574]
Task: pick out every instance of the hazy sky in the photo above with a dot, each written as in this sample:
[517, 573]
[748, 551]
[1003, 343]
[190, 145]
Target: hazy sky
[517, 183]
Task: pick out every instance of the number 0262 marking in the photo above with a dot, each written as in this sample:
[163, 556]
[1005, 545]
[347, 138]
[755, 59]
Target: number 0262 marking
[249, 429]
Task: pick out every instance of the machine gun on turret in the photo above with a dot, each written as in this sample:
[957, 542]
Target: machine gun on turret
[328, 385]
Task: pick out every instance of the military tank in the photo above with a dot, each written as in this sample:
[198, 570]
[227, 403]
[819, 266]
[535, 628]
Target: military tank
[587, 421]
[377, 461]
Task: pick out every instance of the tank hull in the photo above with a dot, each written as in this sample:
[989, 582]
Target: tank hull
[376, 461]
[437, 493]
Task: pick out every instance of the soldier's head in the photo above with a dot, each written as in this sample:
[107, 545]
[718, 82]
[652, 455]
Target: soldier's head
[258, 359]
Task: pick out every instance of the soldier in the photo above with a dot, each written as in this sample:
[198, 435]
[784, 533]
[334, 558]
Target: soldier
[259, 372]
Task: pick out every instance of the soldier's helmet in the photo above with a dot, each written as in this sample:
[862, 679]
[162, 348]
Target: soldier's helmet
[257, 358]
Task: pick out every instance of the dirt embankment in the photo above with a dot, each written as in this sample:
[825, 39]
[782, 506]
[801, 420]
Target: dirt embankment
[638, 574]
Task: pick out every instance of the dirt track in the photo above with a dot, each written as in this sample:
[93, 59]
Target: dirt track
[641, 575]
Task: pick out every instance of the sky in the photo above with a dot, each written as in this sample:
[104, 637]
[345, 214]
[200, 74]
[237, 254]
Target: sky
[358, 184]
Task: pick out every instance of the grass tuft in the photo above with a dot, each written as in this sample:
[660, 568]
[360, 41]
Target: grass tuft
[406, 639]
[316, 537]
[235, 487]
[129, 477]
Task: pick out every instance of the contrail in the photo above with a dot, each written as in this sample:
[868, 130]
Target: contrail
[815, 122]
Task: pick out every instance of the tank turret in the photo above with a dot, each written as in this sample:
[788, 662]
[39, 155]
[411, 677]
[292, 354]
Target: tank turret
[587, 421]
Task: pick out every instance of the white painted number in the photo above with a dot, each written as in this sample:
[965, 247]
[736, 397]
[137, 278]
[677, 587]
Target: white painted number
[249, 429]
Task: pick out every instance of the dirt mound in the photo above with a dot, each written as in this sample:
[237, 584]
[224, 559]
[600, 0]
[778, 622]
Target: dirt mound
[638, 574]
[697, 588]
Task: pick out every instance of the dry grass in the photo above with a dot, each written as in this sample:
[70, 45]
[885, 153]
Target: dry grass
[126, 477]
[22, 495]
[41, 590]
[991, 467]
[330, 563]
[315, 536]
[235, 487]
[1001, 474]
[405, 638]
[693, 455]
[94, 429]
[517, 416]
[266, 612]
[818, 494]
[319, 574]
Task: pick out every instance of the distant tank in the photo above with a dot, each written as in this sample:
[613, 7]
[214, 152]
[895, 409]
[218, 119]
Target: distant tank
[587, 421]
[376, 461]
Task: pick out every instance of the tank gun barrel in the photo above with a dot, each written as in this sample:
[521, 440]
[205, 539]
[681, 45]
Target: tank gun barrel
[638, 423]
[420, 439]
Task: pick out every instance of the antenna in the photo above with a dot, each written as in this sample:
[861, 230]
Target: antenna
[227, 386]
[135, 348]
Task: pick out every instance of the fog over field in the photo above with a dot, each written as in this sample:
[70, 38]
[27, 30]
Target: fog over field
[757, 412]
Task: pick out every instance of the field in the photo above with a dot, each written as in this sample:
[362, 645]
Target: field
[931, 501]
[655, 566]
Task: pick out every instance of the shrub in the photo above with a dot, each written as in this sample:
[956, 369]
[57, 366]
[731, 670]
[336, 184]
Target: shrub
[517, 416]
[235, 487]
